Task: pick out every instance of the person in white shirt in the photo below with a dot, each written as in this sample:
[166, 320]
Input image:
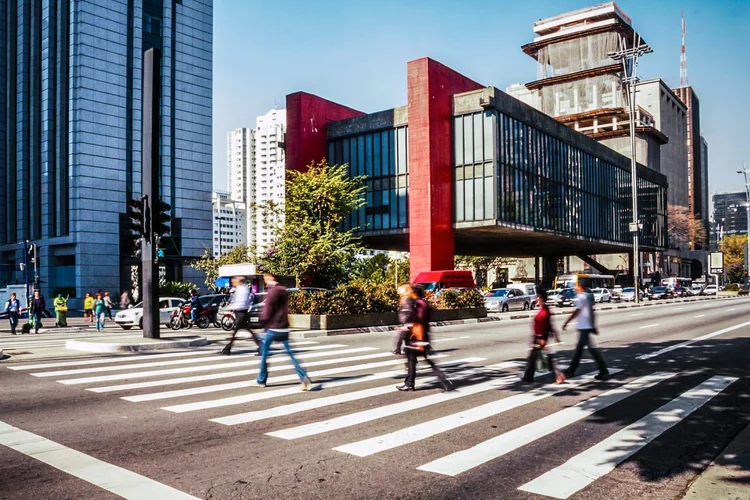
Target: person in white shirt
[584, 315]
[241, 303]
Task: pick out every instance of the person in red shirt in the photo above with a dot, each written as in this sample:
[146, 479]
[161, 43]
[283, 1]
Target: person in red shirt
[542, 330]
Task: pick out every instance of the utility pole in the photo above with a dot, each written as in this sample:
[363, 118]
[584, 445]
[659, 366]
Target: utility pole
[747, 207]
[629, 58]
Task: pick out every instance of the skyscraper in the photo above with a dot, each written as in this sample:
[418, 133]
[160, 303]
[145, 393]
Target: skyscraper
[240, 163]
[269, 176]
[70, 135]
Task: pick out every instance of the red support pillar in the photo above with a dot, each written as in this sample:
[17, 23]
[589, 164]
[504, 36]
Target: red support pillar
[307, 117]
[431, 87]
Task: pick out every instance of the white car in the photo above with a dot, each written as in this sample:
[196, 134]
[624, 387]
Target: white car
[505, 299]
[628, 294]
[601, 295]
[133, 316]
[710, 290]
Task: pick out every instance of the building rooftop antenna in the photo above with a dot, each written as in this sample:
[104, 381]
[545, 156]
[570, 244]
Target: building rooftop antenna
[683, 57]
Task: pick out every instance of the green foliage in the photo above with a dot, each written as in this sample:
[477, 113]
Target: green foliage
[210, 266]
[733, 248]
[381, 268]
[457, 299]
[176, 289]
[310, 246]
[733, 287]
[357, 298]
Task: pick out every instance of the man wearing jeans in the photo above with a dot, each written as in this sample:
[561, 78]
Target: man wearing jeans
[584, 314]
[275, 319]
[36, 309]
[13, 308]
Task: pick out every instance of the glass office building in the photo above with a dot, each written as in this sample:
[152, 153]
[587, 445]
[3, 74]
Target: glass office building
[70, 135]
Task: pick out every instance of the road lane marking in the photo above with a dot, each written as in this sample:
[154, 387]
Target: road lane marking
[374, 413]
[638, 314]
[220, 364]
[205, 389]
[649, 326]
[732, 309]
[699, 316]
[117, 480]
[431, 428]
[679, 308]
[459, 462]
[465, 337]
[268, 394]
[158, 364]
[585, 468]
[693, 341]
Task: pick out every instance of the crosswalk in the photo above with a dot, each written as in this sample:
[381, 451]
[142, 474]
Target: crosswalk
[46, 340]
[221, 390]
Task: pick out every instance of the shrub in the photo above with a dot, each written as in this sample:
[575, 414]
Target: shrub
[176, 289]
[734, 287]
[359, 298]
[457, 299]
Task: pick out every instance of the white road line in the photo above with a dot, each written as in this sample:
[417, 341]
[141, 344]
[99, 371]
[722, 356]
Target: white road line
[585, 468]
[247, 383]
[433, 427]
[699, 316]
[158, 364]
[264, 394]
[465, 337]
[444, 339]
[116, 359]
[649, 326]
[732, 309]
[693, 341]
[638, 314]
[679, 308]
[188, 369]
[117, 480]
[459, 462]
[371, 414]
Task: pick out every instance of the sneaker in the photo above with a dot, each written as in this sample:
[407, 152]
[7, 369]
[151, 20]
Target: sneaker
[306, 384]
[448, 386]
[405, 387]
[261, 384]
[602, 376]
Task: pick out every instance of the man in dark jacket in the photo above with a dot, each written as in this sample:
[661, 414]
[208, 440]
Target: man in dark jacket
[276, 322]
[36, 309]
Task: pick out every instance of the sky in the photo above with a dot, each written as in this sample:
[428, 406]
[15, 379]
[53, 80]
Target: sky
[355, 53]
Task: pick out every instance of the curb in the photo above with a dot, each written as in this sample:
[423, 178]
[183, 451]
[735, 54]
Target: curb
[70, 329]
[82, 345]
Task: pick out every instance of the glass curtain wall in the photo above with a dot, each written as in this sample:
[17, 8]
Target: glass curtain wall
[474, 166]
[381, 157]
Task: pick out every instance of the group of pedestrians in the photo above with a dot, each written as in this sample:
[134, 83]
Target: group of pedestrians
[37, 306]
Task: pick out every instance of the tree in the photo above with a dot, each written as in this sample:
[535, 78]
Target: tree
[381, 268]
[734, 256]
[210, 265]
[310, 245]
[685, 230]
[480, 265]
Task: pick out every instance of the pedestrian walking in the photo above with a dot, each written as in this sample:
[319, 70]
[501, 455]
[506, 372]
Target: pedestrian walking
[108, 305]
[240, 304]
[61, 311]
[584, 315]
[539, 343]
[88, 308]
[417, 344]
[100, 311]
[275, 317]
[36, 310]
[13, 308]
[405, 315]
[124, 300]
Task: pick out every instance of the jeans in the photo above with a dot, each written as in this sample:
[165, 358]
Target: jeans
[193, 314]
[37, 319]
[108, 310]
[412, 356]
[13, 318]
[100, 321]
[241, 322]
[266, 346]
[584, 341]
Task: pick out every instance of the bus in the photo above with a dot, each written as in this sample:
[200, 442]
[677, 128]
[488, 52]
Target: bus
[587, 280]
[686, 283]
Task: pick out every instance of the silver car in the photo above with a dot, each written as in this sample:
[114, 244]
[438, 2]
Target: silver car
[506, 299]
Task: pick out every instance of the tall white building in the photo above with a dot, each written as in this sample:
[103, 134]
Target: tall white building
[266, 182]
[230, 223]
[240, 166]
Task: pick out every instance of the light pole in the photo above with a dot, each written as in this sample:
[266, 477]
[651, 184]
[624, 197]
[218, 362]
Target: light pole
[747, 206]
[629, 58]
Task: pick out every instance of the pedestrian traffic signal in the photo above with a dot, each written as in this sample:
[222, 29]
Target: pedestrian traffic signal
[159, 248]
[137, 213]
[138, 244]
[32, 253]
[161, 218]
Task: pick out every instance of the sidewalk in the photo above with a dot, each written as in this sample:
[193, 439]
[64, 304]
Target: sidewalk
[728, 477]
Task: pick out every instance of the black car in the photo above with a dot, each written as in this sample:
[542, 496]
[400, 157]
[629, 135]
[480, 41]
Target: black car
[566, 297]
[256, 308]
[214, 302]
[660, 292]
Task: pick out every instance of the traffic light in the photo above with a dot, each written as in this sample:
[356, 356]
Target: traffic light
[159, 248]
[138, 215]
[32, 253]
[161, 218]
[137, 243]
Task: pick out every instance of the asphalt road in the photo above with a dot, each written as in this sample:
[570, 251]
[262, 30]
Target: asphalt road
[169, 424]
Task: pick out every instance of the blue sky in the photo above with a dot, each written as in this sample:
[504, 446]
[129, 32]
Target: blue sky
[355, 53]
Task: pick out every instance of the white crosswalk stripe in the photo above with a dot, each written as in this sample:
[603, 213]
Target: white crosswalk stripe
[586, 467]
[433, 427]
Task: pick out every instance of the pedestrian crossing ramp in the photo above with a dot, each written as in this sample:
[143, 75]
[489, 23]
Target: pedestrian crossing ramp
[222, 390]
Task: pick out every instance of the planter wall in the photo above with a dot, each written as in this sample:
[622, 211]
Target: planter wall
[342, 321]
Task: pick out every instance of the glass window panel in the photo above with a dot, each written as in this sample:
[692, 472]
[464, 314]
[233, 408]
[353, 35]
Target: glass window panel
[402, 155]
[489, 198]
[377, 221]
[478, 198]
[458, 140]
[459, 173]
[345, 152]
[402, 221]
[489, 135]
[377, 170]
[478, 138]
[331, 155]
[394, 208]
[368, 155]
[460, 212]
[469, 197]
[468, 140]
[384, 156]
[361, 155]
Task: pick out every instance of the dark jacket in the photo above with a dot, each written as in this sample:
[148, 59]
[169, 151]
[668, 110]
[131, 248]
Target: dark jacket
[406, 311]
[275, 315]
[37, 306]
[422, 314]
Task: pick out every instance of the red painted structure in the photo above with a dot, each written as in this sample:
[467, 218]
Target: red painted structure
[431, 87]
[307, 116]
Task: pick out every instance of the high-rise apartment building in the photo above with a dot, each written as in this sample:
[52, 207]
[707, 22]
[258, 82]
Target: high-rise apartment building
[730, 213]
[70, 135]
[230, 223]
[240, 163]
[697, 178]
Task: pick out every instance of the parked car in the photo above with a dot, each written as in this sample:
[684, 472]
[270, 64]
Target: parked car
[566, 297]
[506, 299]
[681, 291]
[602, 295]
[133, 316]
[628, 294]
[696, 289]
[616, 291]
[527, 288]
[660, 292]
[710, 290]
[256, 308]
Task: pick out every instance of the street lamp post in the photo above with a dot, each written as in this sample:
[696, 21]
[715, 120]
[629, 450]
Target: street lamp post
[747, 206]
[629, 58]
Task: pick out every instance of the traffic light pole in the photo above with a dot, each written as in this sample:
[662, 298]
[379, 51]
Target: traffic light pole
[150, 180]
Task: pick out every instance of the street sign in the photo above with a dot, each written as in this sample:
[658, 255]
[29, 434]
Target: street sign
[716, 262]
[635, 227]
